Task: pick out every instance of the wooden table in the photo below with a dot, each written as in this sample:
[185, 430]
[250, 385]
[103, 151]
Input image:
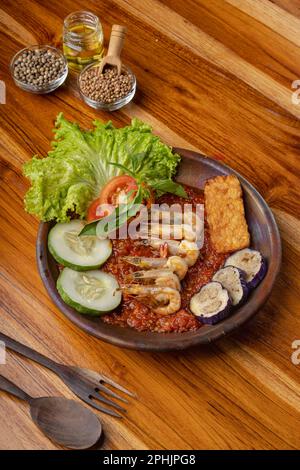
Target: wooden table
[214, 76]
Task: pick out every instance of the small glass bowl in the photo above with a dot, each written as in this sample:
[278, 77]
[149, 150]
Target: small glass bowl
[45, 88]
[115, 104]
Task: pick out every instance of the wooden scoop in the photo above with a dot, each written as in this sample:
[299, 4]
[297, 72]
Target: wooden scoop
[64, 421]
[116, 42]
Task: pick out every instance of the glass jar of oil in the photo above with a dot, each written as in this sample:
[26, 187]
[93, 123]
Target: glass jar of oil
[82, 39]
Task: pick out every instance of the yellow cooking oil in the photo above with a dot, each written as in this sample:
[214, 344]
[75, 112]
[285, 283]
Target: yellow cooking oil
[82, 39]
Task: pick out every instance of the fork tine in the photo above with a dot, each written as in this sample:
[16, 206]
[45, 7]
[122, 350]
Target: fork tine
[100, 408]
[100, 397]
[116, 385]
[109, 392]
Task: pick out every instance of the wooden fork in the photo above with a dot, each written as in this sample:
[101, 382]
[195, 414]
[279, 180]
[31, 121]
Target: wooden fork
[88, 385]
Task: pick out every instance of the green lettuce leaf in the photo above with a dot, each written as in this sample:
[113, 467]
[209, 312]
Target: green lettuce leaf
[79, 165]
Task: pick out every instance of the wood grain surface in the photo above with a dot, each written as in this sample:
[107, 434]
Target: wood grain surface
[215, 76]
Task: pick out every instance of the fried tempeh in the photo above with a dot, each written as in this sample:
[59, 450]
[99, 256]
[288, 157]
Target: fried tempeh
[225, 214]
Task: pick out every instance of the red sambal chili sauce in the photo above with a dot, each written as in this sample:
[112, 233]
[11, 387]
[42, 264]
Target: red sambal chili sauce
[136, 315]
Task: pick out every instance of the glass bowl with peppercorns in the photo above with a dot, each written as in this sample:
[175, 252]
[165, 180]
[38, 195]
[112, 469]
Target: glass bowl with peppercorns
[107, 90]
[39, 69]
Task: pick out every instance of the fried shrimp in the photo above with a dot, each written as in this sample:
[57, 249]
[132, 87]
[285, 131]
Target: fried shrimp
[163, 300]
[172, 245]
[188, 250]
[160, 277]
[173, 231]
[175, 263]
[144, 262]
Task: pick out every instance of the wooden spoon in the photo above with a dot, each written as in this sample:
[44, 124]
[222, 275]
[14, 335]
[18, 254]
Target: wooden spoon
[116, 42]
[64, 421]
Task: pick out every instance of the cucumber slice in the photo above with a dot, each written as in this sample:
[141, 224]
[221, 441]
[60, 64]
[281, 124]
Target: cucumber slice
[79, 253]
[92, 292]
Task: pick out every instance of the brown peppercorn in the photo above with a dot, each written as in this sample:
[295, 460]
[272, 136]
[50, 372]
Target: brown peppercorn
[106, 87]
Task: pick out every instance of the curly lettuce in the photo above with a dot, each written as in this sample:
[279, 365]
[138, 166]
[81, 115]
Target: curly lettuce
[79, 165]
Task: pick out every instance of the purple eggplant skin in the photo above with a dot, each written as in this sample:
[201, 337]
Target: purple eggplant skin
[219, 315]
[254, 275]
[259, 275]
[241, 280]
[216, 318]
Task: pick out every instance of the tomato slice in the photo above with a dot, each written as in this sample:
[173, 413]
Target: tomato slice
[116, 190]
[97, 210]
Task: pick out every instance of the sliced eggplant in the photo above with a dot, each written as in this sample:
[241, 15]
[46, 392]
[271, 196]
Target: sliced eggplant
[252, 263]
[233, 279]
[211, 304]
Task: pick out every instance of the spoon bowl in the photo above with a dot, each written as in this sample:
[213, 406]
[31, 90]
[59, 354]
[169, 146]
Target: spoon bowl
[66, 422]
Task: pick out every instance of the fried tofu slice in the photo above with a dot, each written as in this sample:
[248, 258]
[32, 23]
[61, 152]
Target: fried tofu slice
[225, 214]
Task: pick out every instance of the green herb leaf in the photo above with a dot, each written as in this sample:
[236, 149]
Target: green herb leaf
[121, 214]
[122, 167]
[168, 186]
[89, 229]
